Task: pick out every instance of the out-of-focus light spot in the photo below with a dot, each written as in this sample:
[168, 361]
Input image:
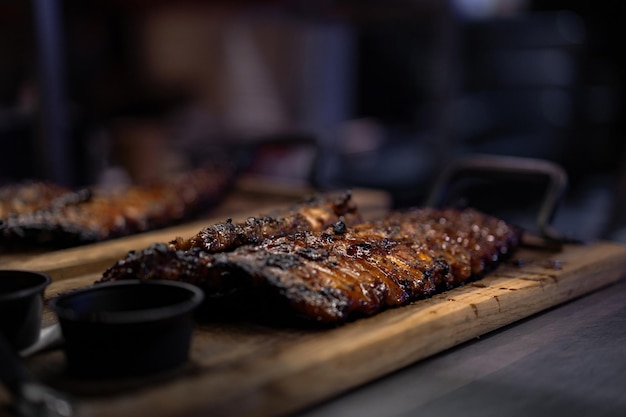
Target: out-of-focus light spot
[482, 9]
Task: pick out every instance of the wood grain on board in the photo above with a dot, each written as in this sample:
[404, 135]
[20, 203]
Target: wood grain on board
[250, 368]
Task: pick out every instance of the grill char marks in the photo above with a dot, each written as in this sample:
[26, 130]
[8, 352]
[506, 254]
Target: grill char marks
[28, 197]
[325, 269]
[66, 218]
[333, 274]
[316, 213]
[330, 278]
[189, 260]
[463, 233]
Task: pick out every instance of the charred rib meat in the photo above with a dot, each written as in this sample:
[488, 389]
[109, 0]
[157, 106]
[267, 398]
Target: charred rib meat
[316, 213]
[28, 197]
[341, 273]
[68, 218]
[329, 277]
[188, 259]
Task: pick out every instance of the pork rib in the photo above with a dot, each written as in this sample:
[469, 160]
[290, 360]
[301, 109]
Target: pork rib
[344, 272]
[59, 217]
[188, 259]
[28, 197]
[315, 213]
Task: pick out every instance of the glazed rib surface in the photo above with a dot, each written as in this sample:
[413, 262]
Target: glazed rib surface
[42, 214]
[333, 275]
[28, 197]
[315, 213]
[189, 259]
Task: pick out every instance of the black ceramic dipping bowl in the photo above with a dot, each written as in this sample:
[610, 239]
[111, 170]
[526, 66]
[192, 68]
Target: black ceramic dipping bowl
[127, 328]
[21, 304]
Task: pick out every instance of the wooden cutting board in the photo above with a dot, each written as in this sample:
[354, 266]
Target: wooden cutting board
[247, 368]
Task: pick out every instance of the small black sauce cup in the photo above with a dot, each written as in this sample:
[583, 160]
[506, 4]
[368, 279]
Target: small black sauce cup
[21, 306]
[127, 328]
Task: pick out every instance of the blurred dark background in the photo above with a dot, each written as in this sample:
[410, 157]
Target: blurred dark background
[336, 94]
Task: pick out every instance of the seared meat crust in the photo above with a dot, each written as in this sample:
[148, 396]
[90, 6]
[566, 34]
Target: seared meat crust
[316, 213]
[331, 277]
[189, 260]
[343, 272]
[50, 215]
[28, 197]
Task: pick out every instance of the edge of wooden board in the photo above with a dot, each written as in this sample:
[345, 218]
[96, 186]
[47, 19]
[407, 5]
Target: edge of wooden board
[308, 370]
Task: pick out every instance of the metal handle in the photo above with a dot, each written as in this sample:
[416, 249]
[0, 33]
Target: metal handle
[513, 168]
